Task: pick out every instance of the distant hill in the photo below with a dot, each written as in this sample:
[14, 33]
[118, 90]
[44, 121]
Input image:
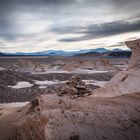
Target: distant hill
[120, 54]
[116, 54]
[87, 52]
[50, 52]
[60, 52]
[2, 54]
[92, 54]
[6, 54]
[98, 50]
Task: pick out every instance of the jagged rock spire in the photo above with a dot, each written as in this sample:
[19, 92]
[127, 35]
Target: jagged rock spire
[135, 58]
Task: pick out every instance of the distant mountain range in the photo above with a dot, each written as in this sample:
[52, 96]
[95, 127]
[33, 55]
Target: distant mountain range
[60, 52]
[2, 54]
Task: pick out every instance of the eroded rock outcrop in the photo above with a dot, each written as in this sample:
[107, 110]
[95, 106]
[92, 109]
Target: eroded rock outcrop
[75, 87]
[105, 65]
[29, 66]
[127, 81]
[50, 117]
[135, 58]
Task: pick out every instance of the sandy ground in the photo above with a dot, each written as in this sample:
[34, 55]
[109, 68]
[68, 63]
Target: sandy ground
[118, 116]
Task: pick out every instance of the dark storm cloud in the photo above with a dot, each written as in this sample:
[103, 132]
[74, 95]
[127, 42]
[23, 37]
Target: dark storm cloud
[119, 44]
[67, 29]
[126, 6]
[112, 28]
[56, 3]
[120, 3]
[34, 2]
[104, 30]
[9, 28]
[9, 8]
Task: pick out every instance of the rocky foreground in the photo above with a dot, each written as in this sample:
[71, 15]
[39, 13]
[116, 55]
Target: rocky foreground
[11, 78]
[111, 112]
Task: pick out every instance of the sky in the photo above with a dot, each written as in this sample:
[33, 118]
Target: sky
[69, 25]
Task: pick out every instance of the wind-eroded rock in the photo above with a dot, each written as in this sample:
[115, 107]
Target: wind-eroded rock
[50, 117]
[127, 81]
[28, 66]
[135, 58]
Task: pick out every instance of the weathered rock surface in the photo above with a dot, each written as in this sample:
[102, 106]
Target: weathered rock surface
[74, 87]
[50, 117]
[135, 58]
[9, 77]
[28, 66]
[127, 81]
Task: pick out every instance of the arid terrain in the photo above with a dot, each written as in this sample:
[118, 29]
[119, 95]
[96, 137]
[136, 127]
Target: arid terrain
[82, 97]
[22, 78]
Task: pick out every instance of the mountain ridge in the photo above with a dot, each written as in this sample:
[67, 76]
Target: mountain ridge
[61, 52]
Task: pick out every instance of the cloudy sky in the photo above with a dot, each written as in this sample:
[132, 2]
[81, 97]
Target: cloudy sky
[40, 25]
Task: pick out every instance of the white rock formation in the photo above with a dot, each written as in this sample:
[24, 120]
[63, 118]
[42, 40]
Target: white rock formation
[135, 58]
[29, 66]
[127, 81]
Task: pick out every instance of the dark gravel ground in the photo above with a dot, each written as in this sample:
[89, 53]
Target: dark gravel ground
[8, 77]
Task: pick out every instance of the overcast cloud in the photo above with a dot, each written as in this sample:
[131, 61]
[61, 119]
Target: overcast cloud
[38, 25]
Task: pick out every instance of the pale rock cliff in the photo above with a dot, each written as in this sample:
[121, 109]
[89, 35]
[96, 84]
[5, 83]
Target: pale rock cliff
[127, 81]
